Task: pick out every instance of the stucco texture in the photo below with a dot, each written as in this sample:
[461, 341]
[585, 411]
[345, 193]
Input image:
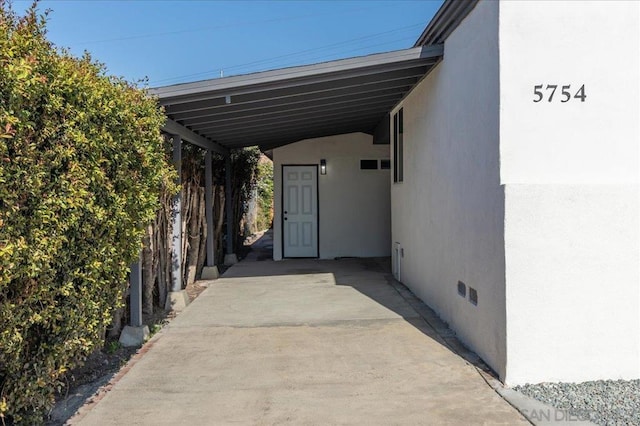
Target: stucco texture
[448, 213]
[572, 276]
[571, 173]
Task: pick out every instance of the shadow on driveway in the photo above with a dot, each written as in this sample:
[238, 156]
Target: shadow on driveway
[303, 342]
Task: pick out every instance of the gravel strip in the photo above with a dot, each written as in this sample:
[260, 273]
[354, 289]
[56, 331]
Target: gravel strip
[604, 402]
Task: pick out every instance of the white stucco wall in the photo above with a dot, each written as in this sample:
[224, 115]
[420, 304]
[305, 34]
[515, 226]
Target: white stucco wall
[572, 256]
[572, 240]
[448, 213]
[354, 209]
[595, 43]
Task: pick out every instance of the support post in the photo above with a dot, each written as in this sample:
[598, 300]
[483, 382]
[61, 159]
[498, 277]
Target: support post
[135, 294]
[178, 297]
[210, 271]
[230, 258]
[135, 333]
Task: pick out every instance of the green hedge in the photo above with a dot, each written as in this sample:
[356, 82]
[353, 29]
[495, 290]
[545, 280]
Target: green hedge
[81, 166]
[264, 184]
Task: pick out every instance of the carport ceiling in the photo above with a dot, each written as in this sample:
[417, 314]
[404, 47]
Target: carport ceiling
[274, 108]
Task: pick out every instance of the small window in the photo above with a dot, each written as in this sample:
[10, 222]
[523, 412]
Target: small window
[368, 164]
[398, 147]
[385, 164]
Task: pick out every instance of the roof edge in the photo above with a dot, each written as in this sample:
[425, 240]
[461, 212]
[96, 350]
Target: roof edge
[445, 21]
[232, 84]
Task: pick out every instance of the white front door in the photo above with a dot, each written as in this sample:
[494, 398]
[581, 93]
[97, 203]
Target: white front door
[300, 211]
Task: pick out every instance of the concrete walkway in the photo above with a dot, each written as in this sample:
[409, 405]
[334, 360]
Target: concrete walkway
[300, 342]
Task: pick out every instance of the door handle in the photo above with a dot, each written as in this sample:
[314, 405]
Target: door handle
[285, 212]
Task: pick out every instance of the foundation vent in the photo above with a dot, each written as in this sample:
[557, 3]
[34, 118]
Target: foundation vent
[473, 296]
[462, 289]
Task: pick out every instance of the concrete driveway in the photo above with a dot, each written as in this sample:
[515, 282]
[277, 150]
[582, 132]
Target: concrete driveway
[300, 342]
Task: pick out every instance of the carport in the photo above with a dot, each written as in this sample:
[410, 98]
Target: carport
[275, 108]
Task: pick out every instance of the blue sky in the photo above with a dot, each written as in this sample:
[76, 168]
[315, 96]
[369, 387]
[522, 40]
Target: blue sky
[177, 41]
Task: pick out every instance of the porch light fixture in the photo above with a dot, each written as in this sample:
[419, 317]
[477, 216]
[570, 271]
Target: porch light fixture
[323, 167]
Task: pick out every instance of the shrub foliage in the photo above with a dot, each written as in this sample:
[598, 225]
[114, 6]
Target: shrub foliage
[244, 164]
[264, 184]
[81, 167]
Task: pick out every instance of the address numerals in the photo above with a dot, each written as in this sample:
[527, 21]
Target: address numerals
[556, 92]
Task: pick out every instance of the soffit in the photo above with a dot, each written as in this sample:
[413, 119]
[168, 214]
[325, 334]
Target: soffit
[278, 107]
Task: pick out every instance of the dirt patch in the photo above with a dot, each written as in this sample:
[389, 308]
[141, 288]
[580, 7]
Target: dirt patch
[194, 290]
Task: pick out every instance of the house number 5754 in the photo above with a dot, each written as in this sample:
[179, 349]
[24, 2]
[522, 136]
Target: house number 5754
[554, 91]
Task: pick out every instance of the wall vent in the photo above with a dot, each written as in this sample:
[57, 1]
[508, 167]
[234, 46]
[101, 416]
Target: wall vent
[368, 164]
[462, 289]
[473, 296]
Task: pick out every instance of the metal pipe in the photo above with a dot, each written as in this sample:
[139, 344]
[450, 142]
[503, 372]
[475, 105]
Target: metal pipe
[208, 201]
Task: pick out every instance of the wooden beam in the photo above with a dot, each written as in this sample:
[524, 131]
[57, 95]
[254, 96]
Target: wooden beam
[192, 137]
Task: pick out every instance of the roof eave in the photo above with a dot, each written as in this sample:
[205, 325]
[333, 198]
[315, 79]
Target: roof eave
[253, 82]
[445, 21]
